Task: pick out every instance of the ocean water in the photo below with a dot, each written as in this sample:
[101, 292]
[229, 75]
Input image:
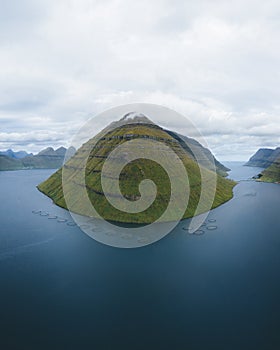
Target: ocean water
[61, 289]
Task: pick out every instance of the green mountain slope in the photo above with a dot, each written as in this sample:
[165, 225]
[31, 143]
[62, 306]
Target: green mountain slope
[272, 173]
[131, 175]
[270, 160]
[206, 157]
[48, 158]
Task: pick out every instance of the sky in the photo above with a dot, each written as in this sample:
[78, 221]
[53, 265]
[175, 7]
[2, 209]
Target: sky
[216, 62]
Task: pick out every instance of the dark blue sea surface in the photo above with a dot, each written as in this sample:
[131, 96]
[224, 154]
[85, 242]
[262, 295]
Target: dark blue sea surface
[60, 289]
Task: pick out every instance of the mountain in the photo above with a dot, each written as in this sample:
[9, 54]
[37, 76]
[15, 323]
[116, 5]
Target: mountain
[264, 157]
[46, 159]
[272, 173]
[17, 155]
[189, 144]
[7, 163]
[134, 127]
[270, 160]
[206, 157]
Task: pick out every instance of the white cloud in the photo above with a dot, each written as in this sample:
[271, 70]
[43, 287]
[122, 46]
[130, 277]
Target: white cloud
[215, 62]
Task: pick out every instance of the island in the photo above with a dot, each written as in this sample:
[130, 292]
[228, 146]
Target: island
[99, 147]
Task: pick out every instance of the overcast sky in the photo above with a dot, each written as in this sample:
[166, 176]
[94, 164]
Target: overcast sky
[217, 62]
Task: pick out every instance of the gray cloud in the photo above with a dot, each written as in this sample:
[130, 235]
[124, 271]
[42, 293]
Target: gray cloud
[215, 62]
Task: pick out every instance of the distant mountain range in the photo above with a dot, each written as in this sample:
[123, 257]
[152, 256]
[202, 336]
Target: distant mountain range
[17, 155]
[46, 159]
[206, 157]
[270, 160]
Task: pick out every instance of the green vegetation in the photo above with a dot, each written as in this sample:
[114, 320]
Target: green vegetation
[272, 173]
[270, 160]
[132, 174]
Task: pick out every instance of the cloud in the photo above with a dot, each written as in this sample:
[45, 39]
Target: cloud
[215, 62]
[18, 19]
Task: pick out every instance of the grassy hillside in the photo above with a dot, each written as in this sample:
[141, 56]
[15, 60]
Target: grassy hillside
[272, 173]
[202, 155]
[131, 176]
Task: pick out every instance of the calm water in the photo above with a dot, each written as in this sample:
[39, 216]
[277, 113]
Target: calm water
[240, 172]
[62, 290]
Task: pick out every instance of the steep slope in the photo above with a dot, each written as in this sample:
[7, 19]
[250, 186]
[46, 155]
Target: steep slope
[192, 146]
[268, 159]
[189, 144]
[264, 157]
[130, 127]
[272, 173]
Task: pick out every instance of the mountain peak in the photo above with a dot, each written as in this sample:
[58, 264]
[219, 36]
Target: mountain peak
[61, 151]
[135, 117]
[48, 150]
[15, 154]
